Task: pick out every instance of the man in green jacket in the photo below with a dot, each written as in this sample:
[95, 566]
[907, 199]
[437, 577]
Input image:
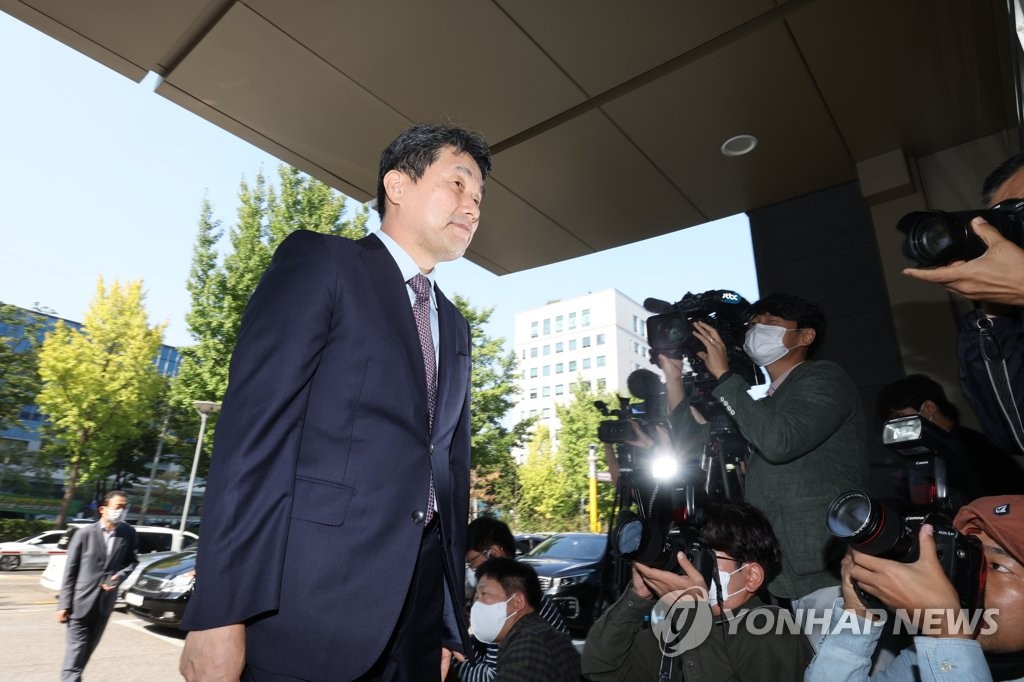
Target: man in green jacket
[743, 639]
[808, 438]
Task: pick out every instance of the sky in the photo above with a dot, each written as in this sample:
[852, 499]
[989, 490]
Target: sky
[100, 176]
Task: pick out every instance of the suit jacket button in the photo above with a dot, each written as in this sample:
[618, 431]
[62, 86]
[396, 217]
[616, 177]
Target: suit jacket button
[418, 516]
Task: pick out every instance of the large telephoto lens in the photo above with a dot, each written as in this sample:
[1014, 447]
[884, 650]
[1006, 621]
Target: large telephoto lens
[937, 238]
[871, 527]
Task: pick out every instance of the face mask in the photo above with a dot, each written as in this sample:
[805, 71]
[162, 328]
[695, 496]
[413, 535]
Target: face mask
[723, 579]
[115, 515]
[488, 619]
[764, 344]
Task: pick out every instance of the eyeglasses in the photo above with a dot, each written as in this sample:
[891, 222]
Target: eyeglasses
[485, 555]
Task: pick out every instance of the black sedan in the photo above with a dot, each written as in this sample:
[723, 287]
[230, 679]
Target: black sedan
[569, 566]
[163, 589]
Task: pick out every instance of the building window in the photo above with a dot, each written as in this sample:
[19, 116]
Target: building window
[533, 352]
[572, 344]
[602, 384]
[558, 389]
[636, 348]
[586, 342]
[572, 365]
[533, 372]
[572, 320]
[547, 326]
[534, 326]
[533, 394]
[586, 317]
[545, 392]
[547, 349]
[600, 339]
[558, 323]
[586, 363]
[636, 324]
[533, 413]
[559, 367]
[546, 371]
[559, 347]
[545, 413]
[600, 361]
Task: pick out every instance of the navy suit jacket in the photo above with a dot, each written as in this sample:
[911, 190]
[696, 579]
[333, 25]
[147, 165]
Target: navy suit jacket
[312, 516]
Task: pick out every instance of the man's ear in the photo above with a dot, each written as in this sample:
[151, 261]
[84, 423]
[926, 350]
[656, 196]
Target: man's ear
[807, 337]
[394, 185]
[518, 602]
[928, 409]
[753, 576]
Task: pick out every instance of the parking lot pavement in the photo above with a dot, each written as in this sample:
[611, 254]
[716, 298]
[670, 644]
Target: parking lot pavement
[33, 641]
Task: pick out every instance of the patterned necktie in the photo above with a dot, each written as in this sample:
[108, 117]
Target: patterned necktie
[421, 311]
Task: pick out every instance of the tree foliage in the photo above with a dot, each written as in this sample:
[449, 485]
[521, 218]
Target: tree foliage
[100, 384]
[19, 359]
[492, 395]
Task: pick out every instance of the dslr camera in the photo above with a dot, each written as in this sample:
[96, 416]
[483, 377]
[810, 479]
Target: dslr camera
[874, 528]
[655, 542]
[939, 238]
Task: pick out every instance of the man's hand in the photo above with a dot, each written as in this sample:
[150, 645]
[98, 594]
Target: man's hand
[920, 585]
[214, 655]
[661, 582]
[715, 355]
[446, 662]
[851, 600]
[62, 616]
[996, 276]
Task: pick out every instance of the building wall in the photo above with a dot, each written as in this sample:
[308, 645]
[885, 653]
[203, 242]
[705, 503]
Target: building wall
[598, 338]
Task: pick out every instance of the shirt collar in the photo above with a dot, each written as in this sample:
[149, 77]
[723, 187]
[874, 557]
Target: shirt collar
[778, 382]
[406, 265]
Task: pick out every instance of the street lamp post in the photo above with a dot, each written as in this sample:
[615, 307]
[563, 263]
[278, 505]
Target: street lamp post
[205, 408]
[592, 461]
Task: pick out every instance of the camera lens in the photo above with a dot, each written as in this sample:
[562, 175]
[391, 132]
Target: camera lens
[931, 238]
[629, 536]
[871, 527]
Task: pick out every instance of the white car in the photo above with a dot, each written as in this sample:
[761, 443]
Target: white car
[151, 539]
[30, 551]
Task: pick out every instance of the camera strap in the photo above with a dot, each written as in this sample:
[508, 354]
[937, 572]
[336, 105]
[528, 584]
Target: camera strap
[999, 377]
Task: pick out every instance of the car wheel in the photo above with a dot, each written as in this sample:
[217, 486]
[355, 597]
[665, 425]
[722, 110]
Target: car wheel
[9, 562]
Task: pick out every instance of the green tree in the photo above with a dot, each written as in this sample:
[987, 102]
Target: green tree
[492, 395]
[546, 501]
[100, 384]
[19, 359]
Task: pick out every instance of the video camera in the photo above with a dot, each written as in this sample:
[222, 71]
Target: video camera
[655, 541]
[939, 238]
[652, 408]
[670, 330]
[874, 528]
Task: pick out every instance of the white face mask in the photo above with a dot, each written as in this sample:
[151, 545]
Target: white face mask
[764, 343]
[486, 620]
[723, 579]
[115, 515]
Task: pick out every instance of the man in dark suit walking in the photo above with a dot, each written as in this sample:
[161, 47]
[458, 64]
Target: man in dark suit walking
[100, 556]
[334, 518]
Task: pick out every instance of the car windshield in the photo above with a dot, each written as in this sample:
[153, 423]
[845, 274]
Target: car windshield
[582, 547]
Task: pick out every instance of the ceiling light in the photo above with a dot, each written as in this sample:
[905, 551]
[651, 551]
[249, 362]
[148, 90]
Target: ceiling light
[739, 145]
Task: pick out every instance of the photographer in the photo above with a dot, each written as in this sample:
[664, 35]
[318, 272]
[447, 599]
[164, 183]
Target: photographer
[622, 647]
[996, 279]
[946, 649]
[808, 437]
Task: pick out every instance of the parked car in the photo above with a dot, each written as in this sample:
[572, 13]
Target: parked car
[525, 542]
[145, 560]
[569, 566]
[27, 552]
[151, 539]
[163, 589]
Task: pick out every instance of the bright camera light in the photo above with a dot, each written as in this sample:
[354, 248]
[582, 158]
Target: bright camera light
[664, 467]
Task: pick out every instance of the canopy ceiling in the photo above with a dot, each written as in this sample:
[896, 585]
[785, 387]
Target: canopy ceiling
[606, 117]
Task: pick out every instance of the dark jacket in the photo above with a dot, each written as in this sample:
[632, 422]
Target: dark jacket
[315, 501]
[622, 647]
[532, 650]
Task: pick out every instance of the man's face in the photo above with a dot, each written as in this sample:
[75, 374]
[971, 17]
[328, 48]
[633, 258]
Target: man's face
[1004, 591]
[489, 591]
[792, 338]
[474, 558]
[736, 584]
[116, 502]
[1013, 188]
[441, 210]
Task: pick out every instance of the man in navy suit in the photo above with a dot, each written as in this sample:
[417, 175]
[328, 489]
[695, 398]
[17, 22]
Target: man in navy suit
[334, 519]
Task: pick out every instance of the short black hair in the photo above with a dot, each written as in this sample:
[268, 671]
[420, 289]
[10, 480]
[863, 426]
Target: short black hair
[487, 531]
[799, 310]
[1000, 175]
[111, 495]
[514, 576]
[743, 532]
[417, 147]
[911, 392]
